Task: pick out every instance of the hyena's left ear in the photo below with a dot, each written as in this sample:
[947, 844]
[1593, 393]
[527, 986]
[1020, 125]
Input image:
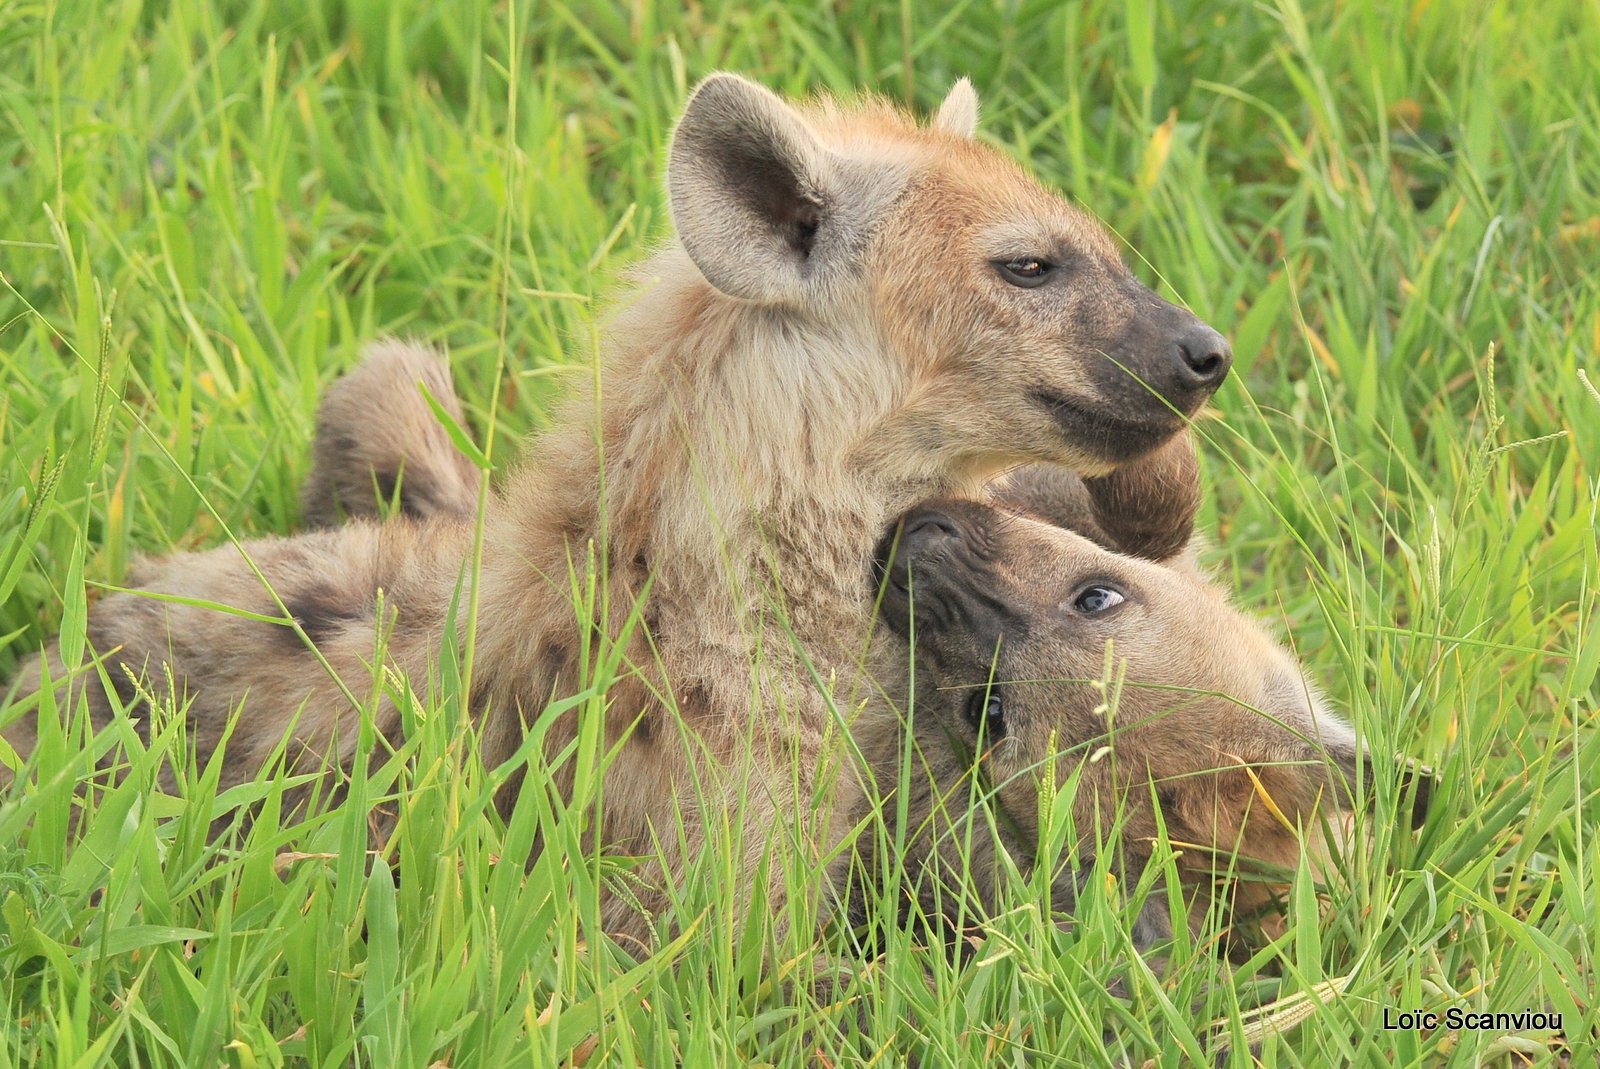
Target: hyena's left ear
[765, 209]
[959, 113]
[1416, 780]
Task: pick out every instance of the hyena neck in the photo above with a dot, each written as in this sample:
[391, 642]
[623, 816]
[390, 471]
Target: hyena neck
[737, 444]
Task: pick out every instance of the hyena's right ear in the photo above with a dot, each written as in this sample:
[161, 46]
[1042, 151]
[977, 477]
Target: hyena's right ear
[765, 210]
[377, 438]
[1144, 509]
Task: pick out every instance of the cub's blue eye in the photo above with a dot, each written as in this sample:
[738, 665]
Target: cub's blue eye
[1024, 271]
[986, 711]
[1098, 599]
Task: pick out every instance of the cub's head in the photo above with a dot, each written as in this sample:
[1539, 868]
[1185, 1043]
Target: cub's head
[1194, 710]
[1012, 328]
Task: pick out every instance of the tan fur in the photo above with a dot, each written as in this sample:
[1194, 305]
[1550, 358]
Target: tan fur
[221, 661]
[1195, 706]
[1145, 508]
[828, 343]
[1209, 803]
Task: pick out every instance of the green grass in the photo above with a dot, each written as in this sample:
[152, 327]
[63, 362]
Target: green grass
[206, 206]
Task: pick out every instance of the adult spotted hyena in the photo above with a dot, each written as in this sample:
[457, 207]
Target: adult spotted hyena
[858, 313]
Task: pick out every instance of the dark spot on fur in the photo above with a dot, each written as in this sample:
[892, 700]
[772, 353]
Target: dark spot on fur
[694, 703]
[321, 614]
[385, 482]
[555, 658]
[479, 700]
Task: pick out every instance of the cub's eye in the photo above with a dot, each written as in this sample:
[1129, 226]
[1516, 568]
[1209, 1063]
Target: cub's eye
[986, 712]
[1025, 271]
[1098, 598]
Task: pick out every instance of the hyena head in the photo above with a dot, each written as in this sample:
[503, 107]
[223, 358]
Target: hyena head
[1011, 322]
[1035, 648]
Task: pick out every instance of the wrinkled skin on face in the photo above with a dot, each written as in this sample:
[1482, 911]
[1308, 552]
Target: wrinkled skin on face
[1037, 650]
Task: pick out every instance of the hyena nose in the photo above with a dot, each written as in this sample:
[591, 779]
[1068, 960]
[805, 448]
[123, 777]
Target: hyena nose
[919, 533]
[926, 528]
[1203, 356]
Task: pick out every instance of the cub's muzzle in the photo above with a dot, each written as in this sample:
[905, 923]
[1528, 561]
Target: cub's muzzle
[936, 569]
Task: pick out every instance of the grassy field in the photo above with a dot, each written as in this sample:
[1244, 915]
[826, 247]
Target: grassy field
[206, 206]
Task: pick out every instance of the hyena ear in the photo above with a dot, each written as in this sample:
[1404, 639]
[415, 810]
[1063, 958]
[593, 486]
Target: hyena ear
[1416, 780]
[959, 113]
[764, 208]
[748, 183]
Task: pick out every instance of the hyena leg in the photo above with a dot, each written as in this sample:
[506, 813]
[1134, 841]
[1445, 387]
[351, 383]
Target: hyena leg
[1144, 509]
[204, 621]
[377, 437]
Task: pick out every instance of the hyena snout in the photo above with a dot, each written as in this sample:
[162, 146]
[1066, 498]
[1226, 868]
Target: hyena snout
[1203, 356]
[1145, 367]
[1169, 351]
[937, 564]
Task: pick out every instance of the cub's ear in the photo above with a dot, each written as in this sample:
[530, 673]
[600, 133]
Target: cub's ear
[1145, 508]
[748, 183]
[765, 209]
[959, 113]
[1416, 780]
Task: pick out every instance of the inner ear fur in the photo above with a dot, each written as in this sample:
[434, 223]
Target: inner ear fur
[765, 209]
[748, 184]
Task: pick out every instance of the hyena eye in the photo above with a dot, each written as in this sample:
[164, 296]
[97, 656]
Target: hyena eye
[1098, 598]
[986, 712]
[1024, 271]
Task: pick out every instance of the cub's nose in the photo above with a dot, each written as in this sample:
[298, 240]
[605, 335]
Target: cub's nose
[918, 535]
[925, 528]
[1202, 356]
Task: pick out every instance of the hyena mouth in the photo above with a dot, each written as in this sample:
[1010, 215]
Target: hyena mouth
[1109, 437]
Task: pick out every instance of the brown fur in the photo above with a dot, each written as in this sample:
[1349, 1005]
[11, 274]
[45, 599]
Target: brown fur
[1207, 801]
[402, 454]
[1145, 508]
[1195, 714]
[328, 581]
[828, 343]
[755, 449]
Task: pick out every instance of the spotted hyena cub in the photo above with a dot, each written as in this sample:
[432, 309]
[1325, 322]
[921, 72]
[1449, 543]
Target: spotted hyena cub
[1063, 627]
[857, 311]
